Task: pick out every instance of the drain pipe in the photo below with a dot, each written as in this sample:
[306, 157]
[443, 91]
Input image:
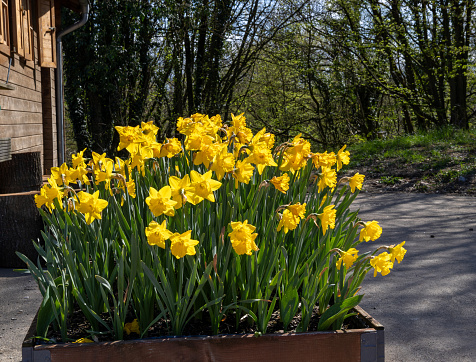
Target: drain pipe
[59, 79]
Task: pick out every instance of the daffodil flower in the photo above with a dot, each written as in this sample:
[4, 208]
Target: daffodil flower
[243, 172]
[157, 233]
[180, 190]
[347, 258]
[328, 218]
[91, 206]
[381, 264]
[371, 231]
[159, 201]
[342, 157]
[132, 327]
[356, 181]
[397, 252]
[182, 244]
[281, 183]
[243, 237]
[202, 187]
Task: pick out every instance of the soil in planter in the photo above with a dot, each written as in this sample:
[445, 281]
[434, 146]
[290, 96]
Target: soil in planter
[79, 327]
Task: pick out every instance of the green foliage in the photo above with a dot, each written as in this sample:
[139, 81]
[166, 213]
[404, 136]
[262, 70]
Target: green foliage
[109, 267]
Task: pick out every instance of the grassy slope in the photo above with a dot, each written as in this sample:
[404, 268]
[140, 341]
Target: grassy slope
[441, 161]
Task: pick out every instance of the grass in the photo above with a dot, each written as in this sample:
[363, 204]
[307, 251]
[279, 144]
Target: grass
[441, 156]
[434, 146]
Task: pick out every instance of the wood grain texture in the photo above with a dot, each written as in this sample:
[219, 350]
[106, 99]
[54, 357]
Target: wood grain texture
[318, 347]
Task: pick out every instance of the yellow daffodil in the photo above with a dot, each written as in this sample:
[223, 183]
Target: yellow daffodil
[263, 137]
[356, 181]
[42, 199]
[327, 178]
[243, 237]
[342, 157]
[159, 201]
[132, 327]
[224, 162]
[120, 166]
[183, 124]
[98, 159]
[397, 252]
[79, 173]
[298, 210]
[324, 159]
[281, 183]
[381, 264]
[328, 218]
[238, 121]
[292, 216]
[371, 231]
[197, 138]
[202, 187]
[60, 174]
[261, 156]
[243, 172]
[130, 138]
[206, 154]
[157, 233]
[239, 130]
[78, 159]
[137, 158]
[296, 156]
[104, 174]
[347, 257]
[48, 194]
[180, 190]
[83, 340]
[212, 124]
[182, 244]
[288, 221]
[170, 148]
[91, 206]
[131, 188]
[149, 130]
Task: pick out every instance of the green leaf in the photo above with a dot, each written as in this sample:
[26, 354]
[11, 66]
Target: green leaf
[289, 306]
[336, 311]
[45, 315]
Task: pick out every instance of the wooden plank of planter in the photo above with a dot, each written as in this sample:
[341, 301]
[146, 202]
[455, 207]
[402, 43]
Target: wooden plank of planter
[340, 346]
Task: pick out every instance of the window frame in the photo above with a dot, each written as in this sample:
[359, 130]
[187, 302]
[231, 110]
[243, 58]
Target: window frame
[5, 38]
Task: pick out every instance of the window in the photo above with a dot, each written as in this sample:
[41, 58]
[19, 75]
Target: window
[22, 28]
[16, 20]
[4, 28]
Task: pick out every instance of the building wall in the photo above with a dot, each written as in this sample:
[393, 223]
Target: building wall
[27, 113]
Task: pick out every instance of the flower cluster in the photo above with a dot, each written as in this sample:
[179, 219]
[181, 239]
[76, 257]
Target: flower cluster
[216, 220]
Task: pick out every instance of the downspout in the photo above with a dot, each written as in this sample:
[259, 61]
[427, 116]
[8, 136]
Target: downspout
[59, 79]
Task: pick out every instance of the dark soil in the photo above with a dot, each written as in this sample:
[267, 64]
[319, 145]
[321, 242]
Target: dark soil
[391, 175]
[199, 327]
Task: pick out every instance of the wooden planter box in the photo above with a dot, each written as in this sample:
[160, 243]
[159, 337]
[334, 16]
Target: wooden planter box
[366, 345]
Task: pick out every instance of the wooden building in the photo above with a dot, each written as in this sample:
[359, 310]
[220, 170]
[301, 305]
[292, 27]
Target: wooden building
[28, 138]
[27, 77]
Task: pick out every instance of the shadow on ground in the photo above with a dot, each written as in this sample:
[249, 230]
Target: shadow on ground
[427, 303]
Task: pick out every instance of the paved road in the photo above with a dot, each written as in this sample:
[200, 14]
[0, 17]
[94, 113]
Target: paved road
[427, 303]
[19, 301]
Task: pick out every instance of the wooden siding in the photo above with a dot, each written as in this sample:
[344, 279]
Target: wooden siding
[21, 113]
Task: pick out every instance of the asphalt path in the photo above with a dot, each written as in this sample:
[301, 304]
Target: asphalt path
[427, 303]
